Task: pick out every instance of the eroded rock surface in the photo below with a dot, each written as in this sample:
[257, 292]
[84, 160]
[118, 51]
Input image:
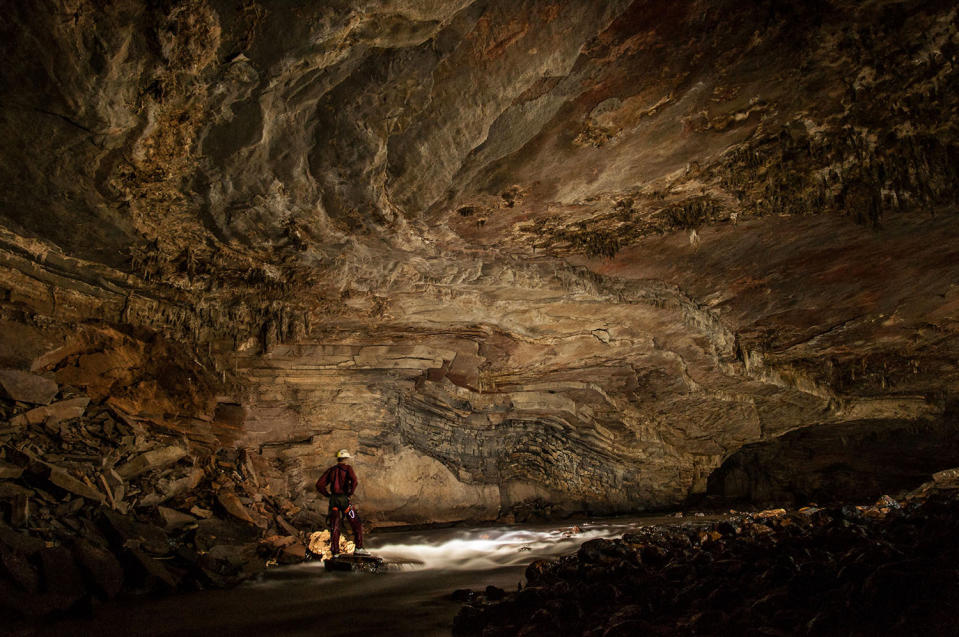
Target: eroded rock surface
[515, 255]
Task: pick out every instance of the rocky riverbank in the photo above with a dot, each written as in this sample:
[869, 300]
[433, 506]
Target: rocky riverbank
[95, 504]
[888, 568]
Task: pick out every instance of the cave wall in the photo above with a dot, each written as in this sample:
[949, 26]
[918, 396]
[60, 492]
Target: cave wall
[572, 256]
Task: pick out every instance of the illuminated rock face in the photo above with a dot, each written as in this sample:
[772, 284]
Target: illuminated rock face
[568, 255]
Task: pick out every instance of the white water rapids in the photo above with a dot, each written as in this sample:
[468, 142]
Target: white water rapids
[488, 549]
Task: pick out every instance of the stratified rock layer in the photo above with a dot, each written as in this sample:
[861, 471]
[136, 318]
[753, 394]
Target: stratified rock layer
[516, 256]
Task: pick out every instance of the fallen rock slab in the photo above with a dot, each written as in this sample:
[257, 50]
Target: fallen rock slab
[156, 575]
[293, 553]
[231, 503]
[62, 478]
[150, 460]
[20, 542]
[130, 533]
[168, 489]
[102, 568]
[9, 471]
[52, 414]
[363, 563]
[26, 387]
[174, 520]
[20, 570]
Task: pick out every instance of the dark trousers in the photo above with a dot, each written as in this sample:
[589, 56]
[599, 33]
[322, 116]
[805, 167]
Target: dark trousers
[341, 508]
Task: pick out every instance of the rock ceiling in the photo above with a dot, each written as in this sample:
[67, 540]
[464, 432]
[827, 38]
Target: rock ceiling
[573, 253]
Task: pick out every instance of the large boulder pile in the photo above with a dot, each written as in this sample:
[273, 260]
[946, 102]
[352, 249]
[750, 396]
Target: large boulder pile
[889, 568]
[95, 503]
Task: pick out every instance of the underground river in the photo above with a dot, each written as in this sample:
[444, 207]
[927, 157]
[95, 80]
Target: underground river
[406, 600]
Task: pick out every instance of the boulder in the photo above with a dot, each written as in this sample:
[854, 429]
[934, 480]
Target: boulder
[26, 387]
[199, 512]
[52, 414]
[214, 532]
[63, 479]
[174, 520]
[231, 503]
[20, 542]
[150, 460]
[126, 531]
[9, 490]
[101, 567]
[156, 576]
[61, 577]
[9, 471]
[169, 488]
[18, 568]
[292, 553]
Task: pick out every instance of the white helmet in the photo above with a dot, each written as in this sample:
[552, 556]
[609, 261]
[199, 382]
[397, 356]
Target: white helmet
[343, 453]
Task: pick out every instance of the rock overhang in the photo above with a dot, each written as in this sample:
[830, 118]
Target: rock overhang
[635, 235]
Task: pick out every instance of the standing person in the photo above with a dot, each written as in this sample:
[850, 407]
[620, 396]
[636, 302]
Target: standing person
[341, 481]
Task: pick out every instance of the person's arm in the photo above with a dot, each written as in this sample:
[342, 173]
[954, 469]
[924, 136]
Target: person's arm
[323, 482]
[353, 481]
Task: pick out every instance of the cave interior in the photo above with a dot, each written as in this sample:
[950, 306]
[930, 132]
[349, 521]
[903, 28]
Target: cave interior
[524, 259]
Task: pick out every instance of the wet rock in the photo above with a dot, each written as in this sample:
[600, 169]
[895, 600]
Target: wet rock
[949, 475]
[755, 574]
[494, 593]
[463, 595]
[26, 387]
[540, 571]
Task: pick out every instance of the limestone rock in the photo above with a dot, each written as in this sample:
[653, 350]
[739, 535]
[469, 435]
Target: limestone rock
[62, 478]
[231, 504]
[54, 413]
[27, 387]
[101, 566]
[9, 471]
[151, 460]
[174, 520]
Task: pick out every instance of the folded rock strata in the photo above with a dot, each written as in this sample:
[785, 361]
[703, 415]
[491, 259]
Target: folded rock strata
[519, 257]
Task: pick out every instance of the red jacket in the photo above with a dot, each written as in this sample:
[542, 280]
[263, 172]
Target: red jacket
[340, 478]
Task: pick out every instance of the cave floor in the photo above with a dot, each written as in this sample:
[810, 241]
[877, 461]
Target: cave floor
[306, 600]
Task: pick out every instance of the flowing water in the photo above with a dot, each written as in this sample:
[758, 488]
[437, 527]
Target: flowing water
[411, 599]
